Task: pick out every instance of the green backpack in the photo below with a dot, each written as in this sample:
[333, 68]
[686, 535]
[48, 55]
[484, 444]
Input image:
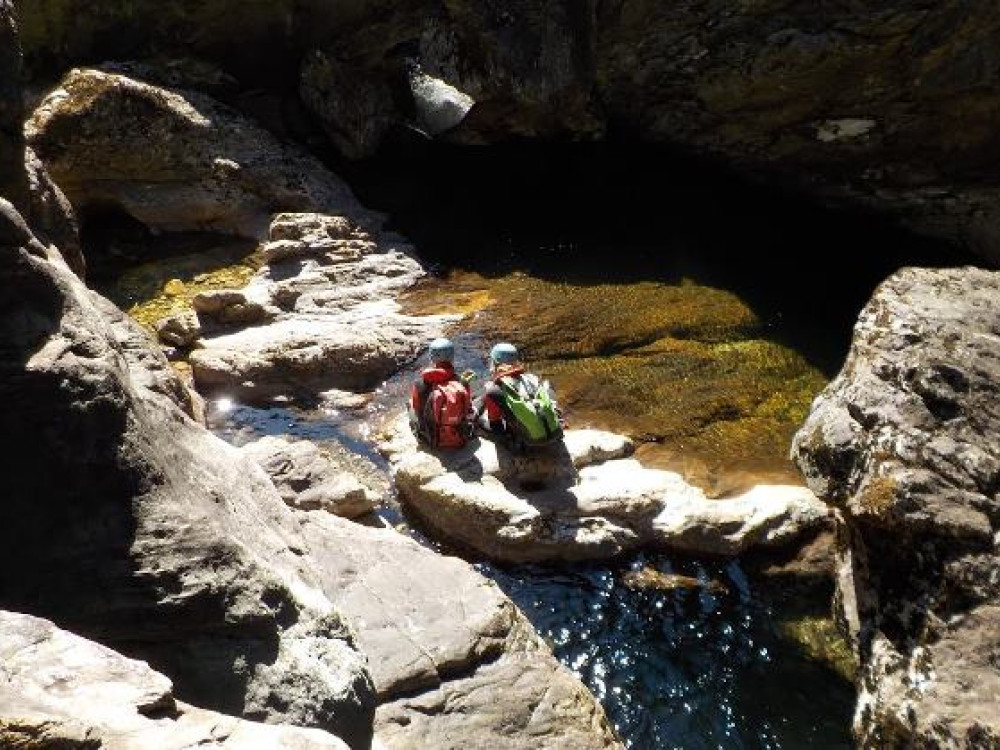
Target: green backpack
[532, 407]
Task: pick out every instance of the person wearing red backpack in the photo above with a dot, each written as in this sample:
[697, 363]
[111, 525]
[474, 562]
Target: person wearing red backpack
[440, 400]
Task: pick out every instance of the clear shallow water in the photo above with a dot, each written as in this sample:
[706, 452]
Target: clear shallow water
[703, 667]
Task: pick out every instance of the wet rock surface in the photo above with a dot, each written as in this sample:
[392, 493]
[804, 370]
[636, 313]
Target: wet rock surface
[333, 322]
[63, 691]
[903, 444]
[142, 530]
[584, 499]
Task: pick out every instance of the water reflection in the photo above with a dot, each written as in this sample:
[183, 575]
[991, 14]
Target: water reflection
[686, 668]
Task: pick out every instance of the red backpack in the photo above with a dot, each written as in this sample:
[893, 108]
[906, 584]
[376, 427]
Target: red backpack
[447, 414]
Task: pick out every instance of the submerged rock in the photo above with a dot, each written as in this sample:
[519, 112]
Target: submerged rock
[63, 691]
[175, 160]
[129, 523]
[582, 499]
[335, 323]
[903, 444]
[308, 478]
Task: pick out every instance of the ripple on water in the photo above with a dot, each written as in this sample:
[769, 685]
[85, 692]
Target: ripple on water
[687, 668]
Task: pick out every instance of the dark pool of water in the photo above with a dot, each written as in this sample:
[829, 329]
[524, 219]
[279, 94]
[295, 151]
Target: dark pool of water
[688, 668]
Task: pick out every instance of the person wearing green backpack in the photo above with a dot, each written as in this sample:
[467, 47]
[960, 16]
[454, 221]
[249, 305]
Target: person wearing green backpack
[517, 406]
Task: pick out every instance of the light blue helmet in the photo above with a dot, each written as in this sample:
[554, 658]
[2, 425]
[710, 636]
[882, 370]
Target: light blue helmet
[504, 354]
[441, 350]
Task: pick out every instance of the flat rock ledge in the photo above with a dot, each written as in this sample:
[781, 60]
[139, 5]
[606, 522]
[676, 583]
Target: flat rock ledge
[319, 314]
[584, 499]
[63, 691]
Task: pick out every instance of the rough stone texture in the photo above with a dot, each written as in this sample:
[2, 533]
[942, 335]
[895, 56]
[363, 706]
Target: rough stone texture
[175, 160]
[23, 179]
[228, 306]
[179, 330]
[582, 500]
[354, 106]
[62, 691]
[129, 523]
[309, 479]
[890, 107]
[13, 184]
[455, 663]
[903, 444]
[335, 325]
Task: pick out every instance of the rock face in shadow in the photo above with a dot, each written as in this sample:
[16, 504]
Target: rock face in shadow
[454, 662]
[583, 499]
[904, 444]
[13, 183]
[129, 523]
[175, 160]
[891, 108]
[63, 691]
[23, 179]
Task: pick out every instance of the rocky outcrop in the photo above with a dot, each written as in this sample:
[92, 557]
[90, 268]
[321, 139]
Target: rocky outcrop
[23, 179]
[63, 691]
[129, 523]
[454, 662]
[308, 478]
[175, 160]
[891, 108]
[903, 444]
[583, 499]
[332, 321]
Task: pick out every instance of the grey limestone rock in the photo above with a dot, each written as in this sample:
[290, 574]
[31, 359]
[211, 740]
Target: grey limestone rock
[455, 663]
[175, 160]
[128, 522]
[584, 499]
[62, 691]
[903, 444]
[332, 322]
[309, 479]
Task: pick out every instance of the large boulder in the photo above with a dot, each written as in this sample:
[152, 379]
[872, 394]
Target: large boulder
[332, 322]
[903, 444]
[174, 160]
[584, 499]
[127, 522]
[63, 691]
[454, 662]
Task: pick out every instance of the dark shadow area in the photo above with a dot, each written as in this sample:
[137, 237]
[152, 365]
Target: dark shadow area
[590, 213]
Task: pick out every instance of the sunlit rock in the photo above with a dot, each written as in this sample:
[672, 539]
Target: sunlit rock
[127, 521]
[332, 319]
[60, 690]
[173, 159]
[454, 662]
[903, 443]
[581, 499]
[440, 106]
[308, 478]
